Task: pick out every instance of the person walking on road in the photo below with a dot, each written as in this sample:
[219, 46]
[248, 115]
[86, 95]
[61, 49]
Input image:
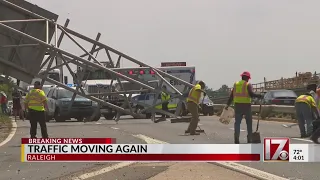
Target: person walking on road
[16, 100]
[306, 111]
[193, 106]
[164, 97]
[36, 103]
[241, 95]
[3, 102]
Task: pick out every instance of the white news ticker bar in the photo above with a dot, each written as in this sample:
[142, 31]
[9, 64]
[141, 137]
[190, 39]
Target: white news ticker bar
[151, 148]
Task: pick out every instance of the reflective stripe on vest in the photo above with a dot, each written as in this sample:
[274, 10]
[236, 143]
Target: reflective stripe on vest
[170, 106]
[193, 95]
[241, 95]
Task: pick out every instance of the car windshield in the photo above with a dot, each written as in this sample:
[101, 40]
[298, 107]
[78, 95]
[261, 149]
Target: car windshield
[63, 93]
[284, 94]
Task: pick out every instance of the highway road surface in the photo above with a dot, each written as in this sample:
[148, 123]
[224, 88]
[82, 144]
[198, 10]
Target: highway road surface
[144, 131]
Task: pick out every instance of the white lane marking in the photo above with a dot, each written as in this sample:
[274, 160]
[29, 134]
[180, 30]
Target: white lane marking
[240, 129]
[300, 139]
[228, 165]
[98, 123]
[114, 128]
[200, 124]
[11, 134]
[103, 170]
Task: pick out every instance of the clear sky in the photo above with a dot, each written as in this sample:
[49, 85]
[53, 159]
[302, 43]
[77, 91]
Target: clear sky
[222, 38]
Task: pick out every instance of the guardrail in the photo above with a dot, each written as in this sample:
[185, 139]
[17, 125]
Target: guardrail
[266, 110]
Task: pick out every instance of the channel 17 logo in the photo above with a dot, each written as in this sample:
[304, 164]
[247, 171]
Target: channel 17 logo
[276, 149]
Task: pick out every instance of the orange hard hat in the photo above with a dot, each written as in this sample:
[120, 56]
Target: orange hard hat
[246, 73]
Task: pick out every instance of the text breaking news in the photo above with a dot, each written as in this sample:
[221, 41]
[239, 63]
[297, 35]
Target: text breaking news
[105, 149]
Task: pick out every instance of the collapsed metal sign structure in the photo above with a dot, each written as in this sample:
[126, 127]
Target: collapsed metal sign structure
[28, 32]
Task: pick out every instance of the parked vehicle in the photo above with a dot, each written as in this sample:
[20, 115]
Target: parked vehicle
[59, 100]
[280, 97]
[148, 98]
[206, 106]
[256, 101]
[10, 108]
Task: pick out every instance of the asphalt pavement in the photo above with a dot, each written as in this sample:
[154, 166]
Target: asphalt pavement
[125, 132]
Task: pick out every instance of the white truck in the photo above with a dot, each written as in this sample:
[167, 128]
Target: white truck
[99, 82]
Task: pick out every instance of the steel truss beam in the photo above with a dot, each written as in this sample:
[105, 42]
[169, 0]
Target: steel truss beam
[71, 58]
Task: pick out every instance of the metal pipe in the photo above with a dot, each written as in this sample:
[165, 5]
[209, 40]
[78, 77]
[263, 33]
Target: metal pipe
[95, 42]
[83, 49]
[20, 45]
[22, 20]
[56, 35]
[74, 56]
[119, 92]
[47, 32]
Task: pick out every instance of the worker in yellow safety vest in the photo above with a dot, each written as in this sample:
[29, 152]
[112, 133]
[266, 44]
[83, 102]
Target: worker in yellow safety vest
[241, 95]
[316, 124]
[306, 110]
[36, 104]
[193, 106]
[165, 97]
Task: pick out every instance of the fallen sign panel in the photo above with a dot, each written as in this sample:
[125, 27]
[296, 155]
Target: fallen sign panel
[22, 16]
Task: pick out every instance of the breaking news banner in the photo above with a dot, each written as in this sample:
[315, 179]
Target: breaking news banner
[104, 149]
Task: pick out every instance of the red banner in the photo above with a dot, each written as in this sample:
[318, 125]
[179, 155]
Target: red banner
[165, 64]
[68, 141]
[143, 157]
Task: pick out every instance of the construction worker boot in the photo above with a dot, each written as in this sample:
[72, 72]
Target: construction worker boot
[236, 139]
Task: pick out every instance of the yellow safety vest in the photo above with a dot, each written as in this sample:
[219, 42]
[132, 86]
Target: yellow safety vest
[165, 96]
[240, 92]
[194, 95]
[35, 99]
[306, 99]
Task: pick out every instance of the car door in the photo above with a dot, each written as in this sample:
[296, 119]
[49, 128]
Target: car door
[49, 102]
[54, 99]
[266, 99]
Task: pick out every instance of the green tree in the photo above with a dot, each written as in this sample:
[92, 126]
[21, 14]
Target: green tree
[223, 91]
[7, 87]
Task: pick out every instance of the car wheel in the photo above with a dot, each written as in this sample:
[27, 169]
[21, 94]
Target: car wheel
[205, 114]
[58, 117]
[97, 118]
[80, 119]
[109, 116]
[138, 111]
[148, 115]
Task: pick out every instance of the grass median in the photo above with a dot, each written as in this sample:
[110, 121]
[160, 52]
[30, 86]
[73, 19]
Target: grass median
[5, 127]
